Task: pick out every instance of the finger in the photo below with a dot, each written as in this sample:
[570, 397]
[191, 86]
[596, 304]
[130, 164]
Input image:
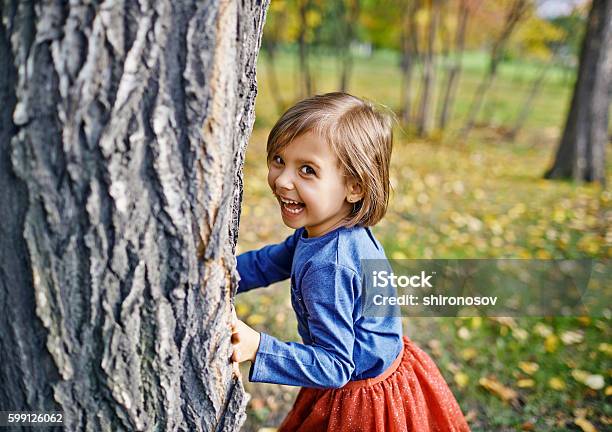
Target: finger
[235, 338]
[235, 326]
[236, 369]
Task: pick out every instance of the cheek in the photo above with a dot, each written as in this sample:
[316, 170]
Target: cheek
[271, 178]
[316, 196]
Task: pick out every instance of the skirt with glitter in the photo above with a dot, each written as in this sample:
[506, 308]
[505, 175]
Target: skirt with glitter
[411, 395]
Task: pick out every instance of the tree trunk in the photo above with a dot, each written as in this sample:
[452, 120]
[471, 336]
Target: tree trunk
[350, 18]
[306, 85]
[122, 138]
[581, 152]
[426, 109]
[410, 53]
[514, 16]
[455, 69]
[270, 56]
[276, 21]
[526, 107]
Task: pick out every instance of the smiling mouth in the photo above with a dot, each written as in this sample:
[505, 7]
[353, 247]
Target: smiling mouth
[292, 207]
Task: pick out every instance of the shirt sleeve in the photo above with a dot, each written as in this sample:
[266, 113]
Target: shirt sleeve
[328, 294]
[265, 266]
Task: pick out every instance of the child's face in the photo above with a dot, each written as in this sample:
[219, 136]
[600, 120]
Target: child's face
[307, 171]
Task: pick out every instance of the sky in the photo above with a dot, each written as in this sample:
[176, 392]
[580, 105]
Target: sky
[554, 8]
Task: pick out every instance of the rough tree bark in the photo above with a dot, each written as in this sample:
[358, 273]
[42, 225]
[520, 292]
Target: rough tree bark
[581, 152]
[122, 137]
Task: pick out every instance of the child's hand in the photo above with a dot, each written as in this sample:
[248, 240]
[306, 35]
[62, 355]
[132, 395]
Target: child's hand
[245, 341]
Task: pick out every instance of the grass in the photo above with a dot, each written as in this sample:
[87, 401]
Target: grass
[379, 78]
[484, 199]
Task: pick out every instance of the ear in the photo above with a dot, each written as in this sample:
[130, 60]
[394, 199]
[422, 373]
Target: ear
[354, 191]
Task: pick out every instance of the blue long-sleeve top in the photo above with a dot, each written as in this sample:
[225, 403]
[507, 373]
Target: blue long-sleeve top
[340, 343]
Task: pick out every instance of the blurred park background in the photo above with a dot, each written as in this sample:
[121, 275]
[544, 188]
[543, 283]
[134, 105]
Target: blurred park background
[482, 91]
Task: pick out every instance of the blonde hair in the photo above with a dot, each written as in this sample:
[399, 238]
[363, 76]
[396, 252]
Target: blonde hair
[358, 131]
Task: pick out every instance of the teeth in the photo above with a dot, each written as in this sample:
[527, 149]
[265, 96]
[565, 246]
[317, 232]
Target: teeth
[286, 201]
[287, 209]
[296, 211]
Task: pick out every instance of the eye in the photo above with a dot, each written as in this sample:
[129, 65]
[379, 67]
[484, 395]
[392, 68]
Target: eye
[277, 159]
[307, 170]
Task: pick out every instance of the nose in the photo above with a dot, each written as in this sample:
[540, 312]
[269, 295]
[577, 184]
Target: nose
[284, 180]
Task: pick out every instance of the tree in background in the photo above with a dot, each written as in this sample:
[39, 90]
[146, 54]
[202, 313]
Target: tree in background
[581, 152]
[573, 25]
[122, 135]
[540, 41]
[347, 26]
[391, 25]
[422, 33]
[516, 12]
[274, 34]
[426, 107]
[409, 55]
[454, 70]
[309, 20]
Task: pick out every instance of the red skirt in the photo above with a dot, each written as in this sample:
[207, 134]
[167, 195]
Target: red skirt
[411, 395]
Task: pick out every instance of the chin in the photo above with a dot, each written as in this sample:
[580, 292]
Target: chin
[294, 225]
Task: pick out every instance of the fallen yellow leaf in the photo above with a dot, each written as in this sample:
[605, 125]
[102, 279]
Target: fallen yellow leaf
[468, 354]
[605, 348]
[461, 379]
[551, 343]
[498, 389]
[556, 383]
[525, 383]
[520, 334]
[476, 322]
[585, 425]
[398, 255]
[580, 375]
[528, 367]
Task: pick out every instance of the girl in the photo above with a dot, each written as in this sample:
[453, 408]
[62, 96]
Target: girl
[328, 159]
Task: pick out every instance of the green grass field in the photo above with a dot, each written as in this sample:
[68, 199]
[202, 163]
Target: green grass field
[483, 199]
